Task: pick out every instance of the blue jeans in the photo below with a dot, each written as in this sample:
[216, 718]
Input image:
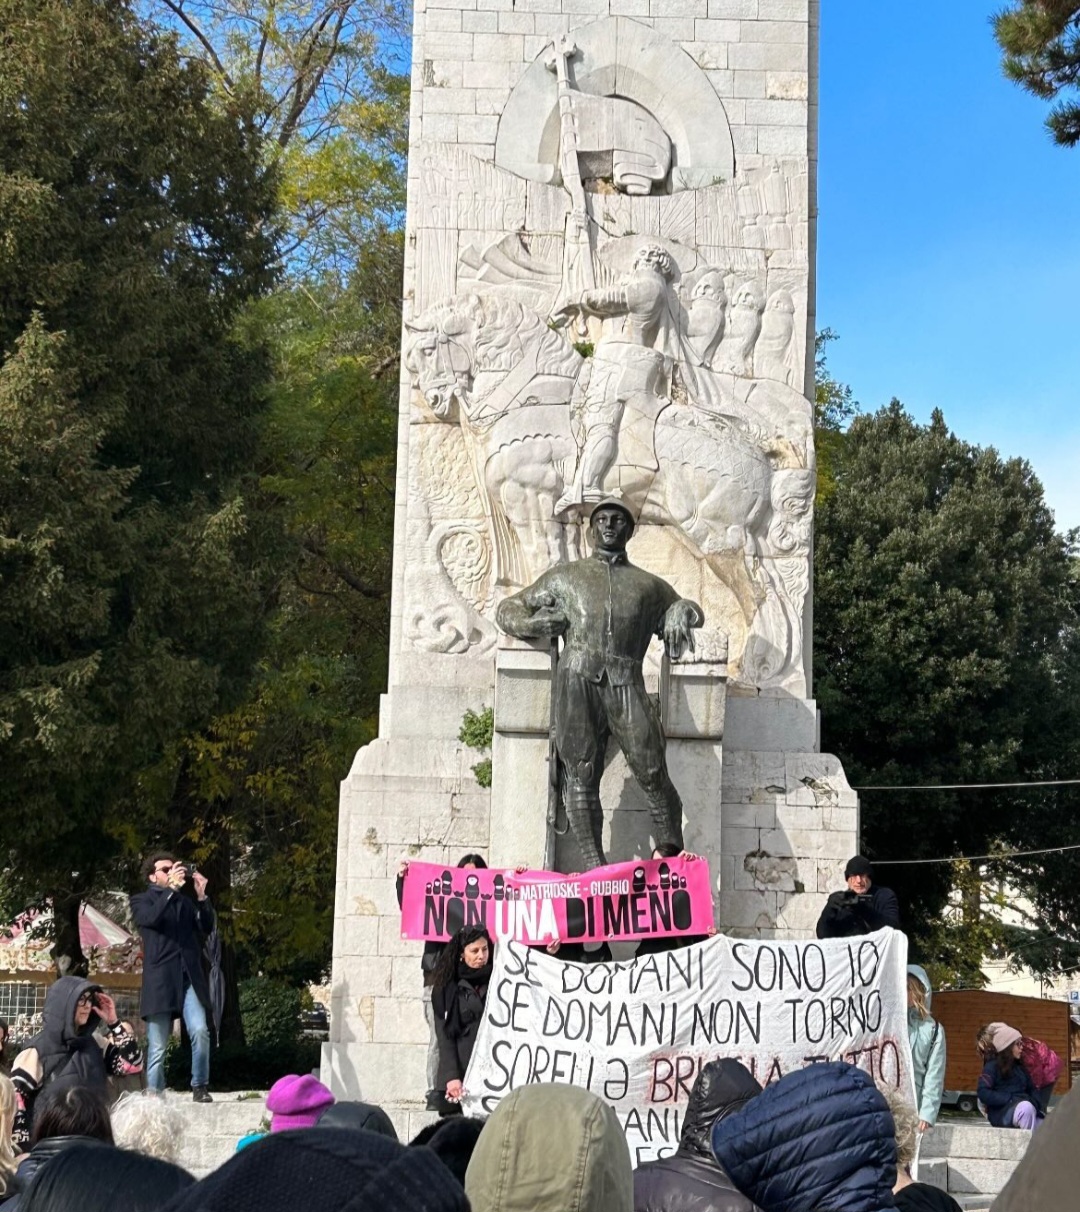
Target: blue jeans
[158, 1030]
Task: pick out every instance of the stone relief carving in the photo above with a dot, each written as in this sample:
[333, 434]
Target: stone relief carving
[624, 59]
[619, 325]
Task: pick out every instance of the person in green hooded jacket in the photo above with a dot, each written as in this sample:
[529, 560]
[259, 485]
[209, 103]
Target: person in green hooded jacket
[551, 1148]
[927, 1039]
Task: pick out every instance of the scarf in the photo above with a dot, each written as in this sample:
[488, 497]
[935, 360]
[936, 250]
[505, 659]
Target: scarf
[472, 978]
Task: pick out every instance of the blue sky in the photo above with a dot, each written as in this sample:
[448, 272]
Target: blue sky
[949, 234]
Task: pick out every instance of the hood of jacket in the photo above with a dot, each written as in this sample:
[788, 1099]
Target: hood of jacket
[551, 1148]
[357, 1116]
[920, 973]
[58, 1032]
[821, 1139]
[722, 1087]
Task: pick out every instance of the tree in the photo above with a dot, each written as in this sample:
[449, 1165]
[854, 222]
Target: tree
[139, 220]
[1041, 44]
[945, 626]
[254, 793]
[317, 79]
[834, 408]
[262, 780]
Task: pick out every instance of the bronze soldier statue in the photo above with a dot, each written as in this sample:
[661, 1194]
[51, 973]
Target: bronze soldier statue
[607, 610]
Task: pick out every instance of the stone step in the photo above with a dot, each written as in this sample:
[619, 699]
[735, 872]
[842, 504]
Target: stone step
[978, 1175]
[211, 1130]
[935, 1171]
[954, 1140]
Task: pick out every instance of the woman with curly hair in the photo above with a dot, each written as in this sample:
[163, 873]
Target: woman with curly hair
[458, 993]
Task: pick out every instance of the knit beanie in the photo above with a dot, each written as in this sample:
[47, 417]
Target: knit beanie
[327, 1169]
[1004, 1037]
[858, 866]
[297, 1102]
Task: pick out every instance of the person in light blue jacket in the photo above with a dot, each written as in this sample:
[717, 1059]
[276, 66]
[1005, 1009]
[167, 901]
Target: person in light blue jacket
[927, 1039]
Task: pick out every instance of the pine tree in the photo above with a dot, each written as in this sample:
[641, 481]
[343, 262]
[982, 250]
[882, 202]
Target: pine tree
[1041, 44]
[137, 222]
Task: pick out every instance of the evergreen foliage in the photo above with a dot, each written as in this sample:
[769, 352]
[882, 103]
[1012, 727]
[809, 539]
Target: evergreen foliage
[137, 222]
[945, 647]
[1040, 41]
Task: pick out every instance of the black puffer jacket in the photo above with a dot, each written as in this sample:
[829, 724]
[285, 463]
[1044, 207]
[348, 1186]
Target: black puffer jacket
[692, 1180]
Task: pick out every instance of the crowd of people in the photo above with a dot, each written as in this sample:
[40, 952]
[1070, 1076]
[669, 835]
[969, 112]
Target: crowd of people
[822, 1138]
[826, 1138]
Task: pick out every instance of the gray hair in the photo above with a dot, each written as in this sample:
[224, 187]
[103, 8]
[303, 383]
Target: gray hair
[147, 1124]
[906, 1121]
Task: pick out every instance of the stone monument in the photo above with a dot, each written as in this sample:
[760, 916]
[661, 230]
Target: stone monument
[608, 294]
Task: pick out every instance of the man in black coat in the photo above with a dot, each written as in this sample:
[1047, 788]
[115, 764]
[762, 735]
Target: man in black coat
[692, 1180]
[174, 982]
[862, 907]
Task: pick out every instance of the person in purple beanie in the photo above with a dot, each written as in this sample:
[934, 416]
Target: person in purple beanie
[297, 1102]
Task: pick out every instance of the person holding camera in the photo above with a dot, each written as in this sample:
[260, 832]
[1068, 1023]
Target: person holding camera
[862, 907]
[173, 927]
[69, 1051]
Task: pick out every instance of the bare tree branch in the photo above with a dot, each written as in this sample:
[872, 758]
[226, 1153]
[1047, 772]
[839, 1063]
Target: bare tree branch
[346, 575]
[301, 94]
[204, 41]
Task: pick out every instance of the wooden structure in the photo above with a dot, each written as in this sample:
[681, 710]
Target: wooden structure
[962, 1012]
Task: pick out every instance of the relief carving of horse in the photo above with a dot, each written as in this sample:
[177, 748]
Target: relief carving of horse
[496, 368]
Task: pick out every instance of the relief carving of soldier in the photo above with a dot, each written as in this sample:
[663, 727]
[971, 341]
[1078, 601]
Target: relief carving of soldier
[607, 610]
[630, 360]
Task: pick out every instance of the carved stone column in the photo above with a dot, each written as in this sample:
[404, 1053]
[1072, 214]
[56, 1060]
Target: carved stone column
[609, 288]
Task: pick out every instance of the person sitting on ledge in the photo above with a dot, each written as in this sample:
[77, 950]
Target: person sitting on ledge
[862, 907]
[1005, 1086]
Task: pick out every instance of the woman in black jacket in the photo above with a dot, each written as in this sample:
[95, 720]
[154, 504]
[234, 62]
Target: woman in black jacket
[429, 961]
[68, 1051]
[457, 999]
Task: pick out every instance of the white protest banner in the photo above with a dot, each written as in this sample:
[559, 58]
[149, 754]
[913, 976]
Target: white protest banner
[637, 1033]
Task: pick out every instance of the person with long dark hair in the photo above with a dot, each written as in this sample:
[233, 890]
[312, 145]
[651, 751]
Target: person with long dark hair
[1040, 1061]
[66, 1117]
[458, 992]
[428, 962]
[1005, 1087]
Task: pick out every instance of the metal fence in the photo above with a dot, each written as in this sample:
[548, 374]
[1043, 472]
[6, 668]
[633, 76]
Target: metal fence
[21, 1004]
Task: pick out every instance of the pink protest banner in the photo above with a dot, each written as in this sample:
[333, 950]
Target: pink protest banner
[623, 901]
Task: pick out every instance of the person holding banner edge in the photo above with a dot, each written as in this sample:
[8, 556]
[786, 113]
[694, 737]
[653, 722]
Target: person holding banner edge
[660, 944]
[429, 961]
